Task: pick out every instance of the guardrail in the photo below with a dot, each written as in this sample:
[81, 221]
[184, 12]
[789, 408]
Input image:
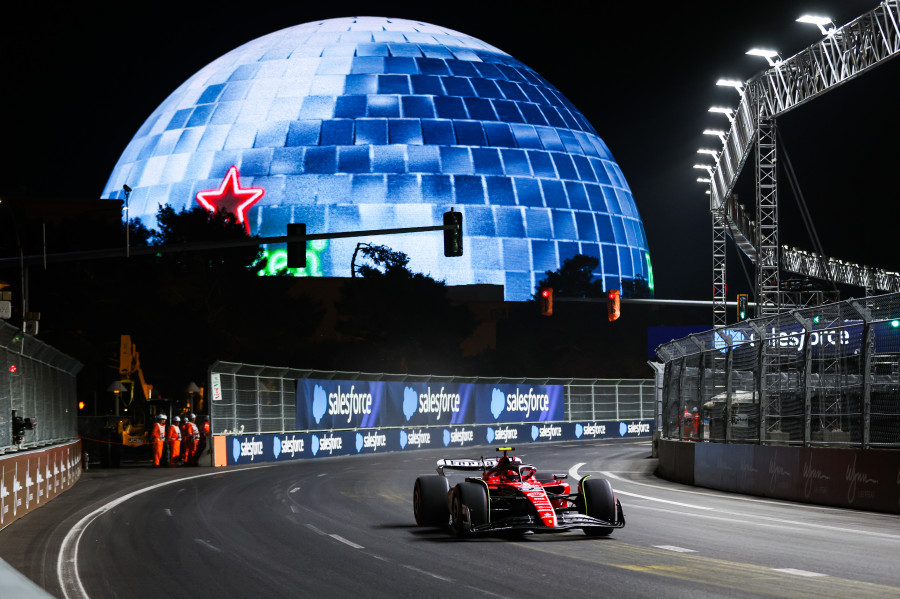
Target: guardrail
[270, 413]
[822, 375]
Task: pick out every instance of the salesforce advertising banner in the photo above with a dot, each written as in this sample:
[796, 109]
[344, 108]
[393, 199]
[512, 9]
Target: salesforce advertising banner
[251, 449]
[330, 404]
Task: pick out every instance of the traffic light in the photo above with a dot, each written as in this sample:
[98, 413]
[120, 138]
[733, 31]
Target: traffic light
[743, 311]
[613, 306]
[453, 237]
[296, 250]
[546, 297]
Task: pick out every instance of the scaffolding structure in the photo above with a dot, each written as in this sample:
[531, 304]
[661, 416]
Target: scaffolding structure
[843, 54]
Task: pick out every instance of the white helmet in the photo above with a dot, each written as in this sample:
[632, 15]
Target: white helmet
[176, 419]
[161, 416]
[192, 416]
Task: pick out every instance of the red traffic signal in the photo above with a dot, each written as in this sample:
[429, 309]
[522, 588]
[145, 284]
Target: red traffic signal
[546, 298]
[613, 307]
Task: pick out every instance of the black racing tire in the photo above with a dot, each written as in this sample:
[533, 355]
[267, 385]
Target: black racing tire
[430, 501]
[596, 499]
[475, 497]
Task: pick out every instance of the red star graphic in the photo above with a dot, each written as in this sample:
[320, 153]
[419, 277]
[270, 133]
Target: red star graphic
[230, 197]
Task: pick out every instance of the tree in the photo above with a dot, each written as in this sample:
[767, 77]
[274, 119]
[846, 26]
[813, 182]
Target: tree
[198, 224]
[575, 278]
[399, 321]
[636, 287]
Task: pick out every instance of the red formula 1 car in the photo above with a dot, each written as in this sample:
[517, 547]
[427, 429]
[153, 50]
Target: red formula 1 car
[511, 496]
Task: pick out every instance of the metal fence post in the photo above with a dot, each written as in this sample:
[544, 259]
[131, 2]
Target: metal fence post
[760, 379]
[868, 346]
[807, 370]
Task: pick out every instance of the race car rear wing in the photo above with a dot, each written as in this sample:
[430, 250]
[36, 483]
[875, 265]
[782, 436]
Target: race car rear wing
[471, 465]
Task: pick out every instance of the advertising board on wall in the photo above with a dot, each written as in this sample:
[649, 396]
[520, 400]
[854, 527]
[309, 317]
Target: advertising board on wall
[250, 449]
[332, 404]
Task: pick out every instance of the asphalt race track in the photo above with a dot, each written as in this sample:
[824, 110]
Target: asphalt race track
[344, 527]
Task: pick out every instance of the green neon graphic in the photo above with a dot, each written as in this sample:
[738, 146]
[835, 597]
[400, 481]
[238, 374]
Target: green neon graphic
[649, 271]
[277, 261]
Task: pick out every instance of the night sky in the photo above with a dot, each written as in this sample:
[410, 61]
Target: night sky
[78, 83]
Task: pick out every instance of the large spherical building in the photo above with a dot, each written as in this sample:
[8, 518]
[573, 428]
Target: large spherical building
[374, 123]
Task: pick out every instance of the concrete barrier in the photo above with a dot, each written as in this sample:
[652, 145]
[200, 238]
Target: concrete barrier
[866, 479]
[30, 479]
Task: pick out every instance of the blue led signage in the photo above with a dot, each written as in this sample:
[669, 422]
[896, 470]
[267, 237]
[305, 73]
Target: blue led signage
[372, 123]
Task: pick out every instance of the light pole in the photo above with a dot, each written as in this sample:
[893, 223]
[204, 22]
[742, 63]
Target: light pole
[127, 223]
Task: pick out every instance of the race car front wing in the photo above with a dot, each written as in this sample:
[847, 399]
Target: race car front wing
[566, 520]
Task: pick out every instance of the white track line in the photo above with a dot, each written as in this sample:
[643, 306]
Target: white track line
[67, 561]
[345, 541]
[754, 520]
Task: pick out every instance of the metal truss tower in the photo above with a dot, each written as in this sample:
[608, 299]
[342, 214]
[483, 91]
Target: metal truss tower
[843, 54]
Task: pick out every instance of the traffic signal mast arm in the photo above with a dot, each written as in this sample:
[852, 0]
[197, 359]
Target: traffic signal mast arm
[212, 245]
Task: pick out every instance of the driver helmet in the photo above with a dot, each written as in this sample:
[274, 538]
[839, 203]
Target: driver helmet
[509, 476]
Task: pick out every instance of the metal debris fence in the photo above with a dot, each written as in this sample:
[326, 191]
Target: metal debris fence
[37, 382]
[263, 399]
[822, 375]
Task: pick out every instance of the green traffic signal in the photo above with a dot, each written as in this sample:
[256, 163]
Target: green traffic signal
[895, 324]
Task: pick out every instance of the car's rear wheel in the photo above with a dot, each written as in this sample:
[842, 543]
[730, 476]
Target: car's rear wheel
[430, 501]
[472, 497]
[596, 499]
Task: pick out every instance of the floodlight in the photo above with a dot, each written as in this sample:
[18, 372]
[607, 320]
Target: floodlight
[703, 180]
[717, 132]
[708, 168]
[722, 110]
[738, 85]
[767, 54]
[819, 22]
[712, 153]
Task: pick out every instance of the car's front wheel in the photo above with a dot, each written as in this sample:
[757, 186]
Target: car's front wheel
[596, 499]
[468, 507]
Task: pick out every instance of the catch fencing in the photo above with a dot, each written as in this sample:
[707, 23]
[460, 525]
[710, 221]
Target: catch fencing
[822, 375]
[249, 399]
[37, 382]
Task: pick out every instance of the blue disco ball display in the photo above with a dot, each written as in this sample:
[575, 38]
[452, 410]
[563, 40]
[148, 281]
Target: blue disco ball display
[372, 123]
